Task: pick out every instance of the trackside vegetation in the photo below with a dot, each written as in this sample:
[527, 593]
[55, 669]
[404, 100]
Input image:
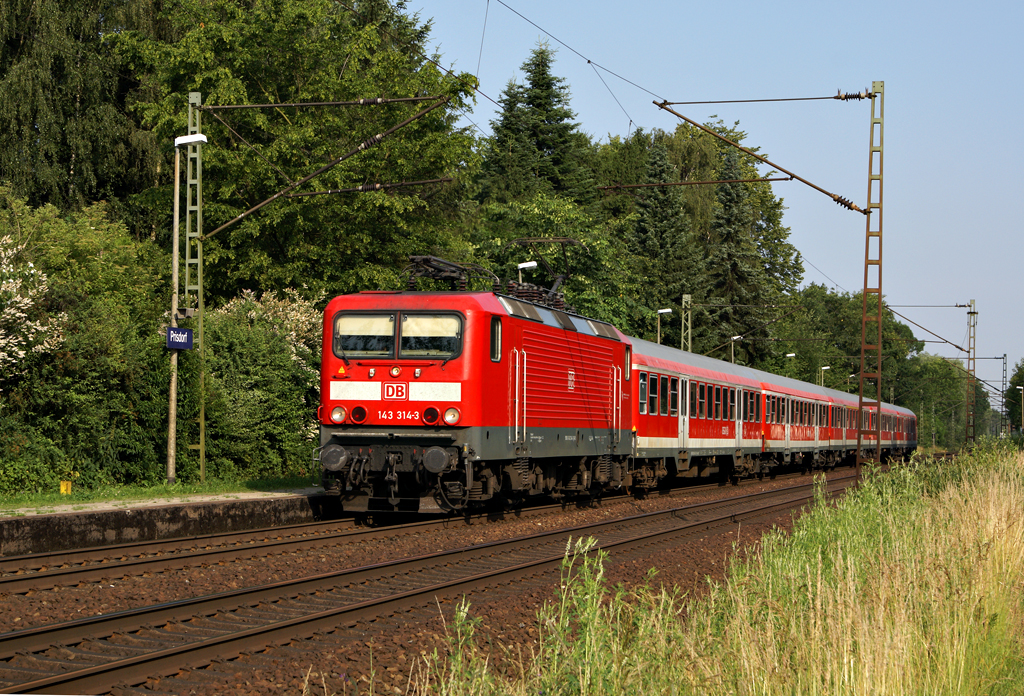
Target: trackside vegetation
[912, 584]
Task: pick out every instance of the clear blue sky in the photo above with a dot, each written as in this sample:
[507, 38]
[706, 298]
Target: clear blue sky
[953, 99]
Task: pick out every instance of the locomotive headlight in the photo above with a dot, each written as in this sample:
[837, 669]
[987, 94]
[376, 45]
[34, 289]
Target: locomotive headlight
[451, 416]
[395, 371]
[338, 414]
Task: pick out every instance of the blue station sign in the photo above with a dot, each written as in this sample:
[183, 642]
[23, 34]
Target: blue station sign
[179, 339]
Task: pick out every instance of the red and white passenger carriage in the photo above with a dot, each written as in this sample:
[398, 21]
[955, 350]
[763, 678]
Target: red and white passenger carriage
[442, 400]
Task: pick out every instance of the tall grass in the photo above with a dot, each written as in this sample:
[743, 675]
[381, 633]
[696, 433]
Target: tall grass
[913, 584]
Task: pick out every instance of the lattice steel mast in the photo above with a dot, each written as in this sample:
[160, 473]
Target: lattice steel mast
[972, 326]
[194, 258]
[870, 396]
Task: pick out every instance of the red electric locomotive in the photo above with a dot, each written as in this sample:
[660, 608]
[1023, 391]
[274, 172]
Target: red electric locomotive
[434, 401]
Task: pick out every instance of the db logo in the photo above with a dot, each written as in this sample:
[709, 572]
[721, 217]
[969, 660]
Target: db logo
[396, 391]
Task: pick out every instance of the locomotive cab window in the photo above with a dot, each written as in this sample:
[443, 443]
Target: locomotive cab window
[364, 335]
[430, 336]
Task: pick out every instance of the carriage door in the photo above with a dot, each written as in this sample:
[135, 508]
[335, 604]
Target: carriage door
[684, 411]
[738, 397]
[787, 417]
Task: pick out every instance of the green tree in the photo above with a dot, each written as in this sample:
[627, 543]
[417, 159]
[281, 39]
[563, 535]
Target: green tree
[285, 51]
[737, 280]
[536, 147]
[600, 285]
[65, 136]
[664, 251]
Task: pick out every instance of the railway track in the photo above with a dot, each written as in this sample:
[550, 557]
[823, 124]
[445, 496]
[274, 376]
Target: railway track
[34, 572]
[123, 649]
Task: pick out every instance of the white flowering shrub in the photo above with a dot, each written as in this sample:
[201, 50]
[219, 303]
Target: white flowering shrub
[295, 318]
[262, 360]
[24, 326]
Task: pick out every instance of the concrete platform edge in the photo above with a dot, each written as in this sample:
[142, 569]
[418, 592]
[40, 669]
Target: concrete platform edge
[76, 530]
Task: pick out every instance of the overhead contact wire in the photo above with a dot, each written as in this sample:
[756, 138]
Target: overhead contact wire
[610, 72]
[483, 33]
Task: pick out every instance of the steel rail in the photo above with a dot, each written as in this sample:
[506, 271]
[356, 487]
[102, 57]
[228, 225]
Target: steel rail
[40, 571]
[547, 549]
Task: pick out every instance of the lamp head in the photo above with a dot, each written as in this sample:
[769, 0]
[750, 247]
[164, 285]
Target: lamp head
[189, 139]
[527, 264]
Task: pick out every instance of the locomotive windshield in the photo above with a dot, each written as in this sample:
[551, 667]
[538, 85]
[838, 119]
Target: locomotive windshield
[430, 336]
[365, 335]
[420, 336]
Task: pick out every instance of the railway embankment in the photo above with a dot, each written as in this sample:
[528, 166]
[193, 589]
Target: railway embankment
[925, 563]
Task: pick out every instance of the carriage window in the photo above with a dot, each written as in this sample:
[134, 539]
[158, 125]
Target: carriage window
[702, 401]
[364, 335]
[664, 395]
[732, 404]
[495, 339]
[693, 399]
[674, 404]
[430, 336]
[746, 406]
[643, 392]
[757, 407]
[718, 403]
[652, 395]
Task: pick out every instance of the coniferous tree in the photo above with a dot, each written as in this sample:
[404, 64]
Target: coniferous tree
[666, 256]
[736, 274]
[536, 147]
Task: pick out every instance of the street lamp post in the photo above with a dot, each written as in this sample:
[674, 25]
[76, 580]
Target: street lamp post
[172, 407]
[525, 264]
[660, 312]
[821, 375]
[732, 347]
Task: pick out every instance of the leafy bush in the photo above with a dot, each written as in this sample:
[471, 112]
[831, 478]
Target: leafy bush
[262, 391]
